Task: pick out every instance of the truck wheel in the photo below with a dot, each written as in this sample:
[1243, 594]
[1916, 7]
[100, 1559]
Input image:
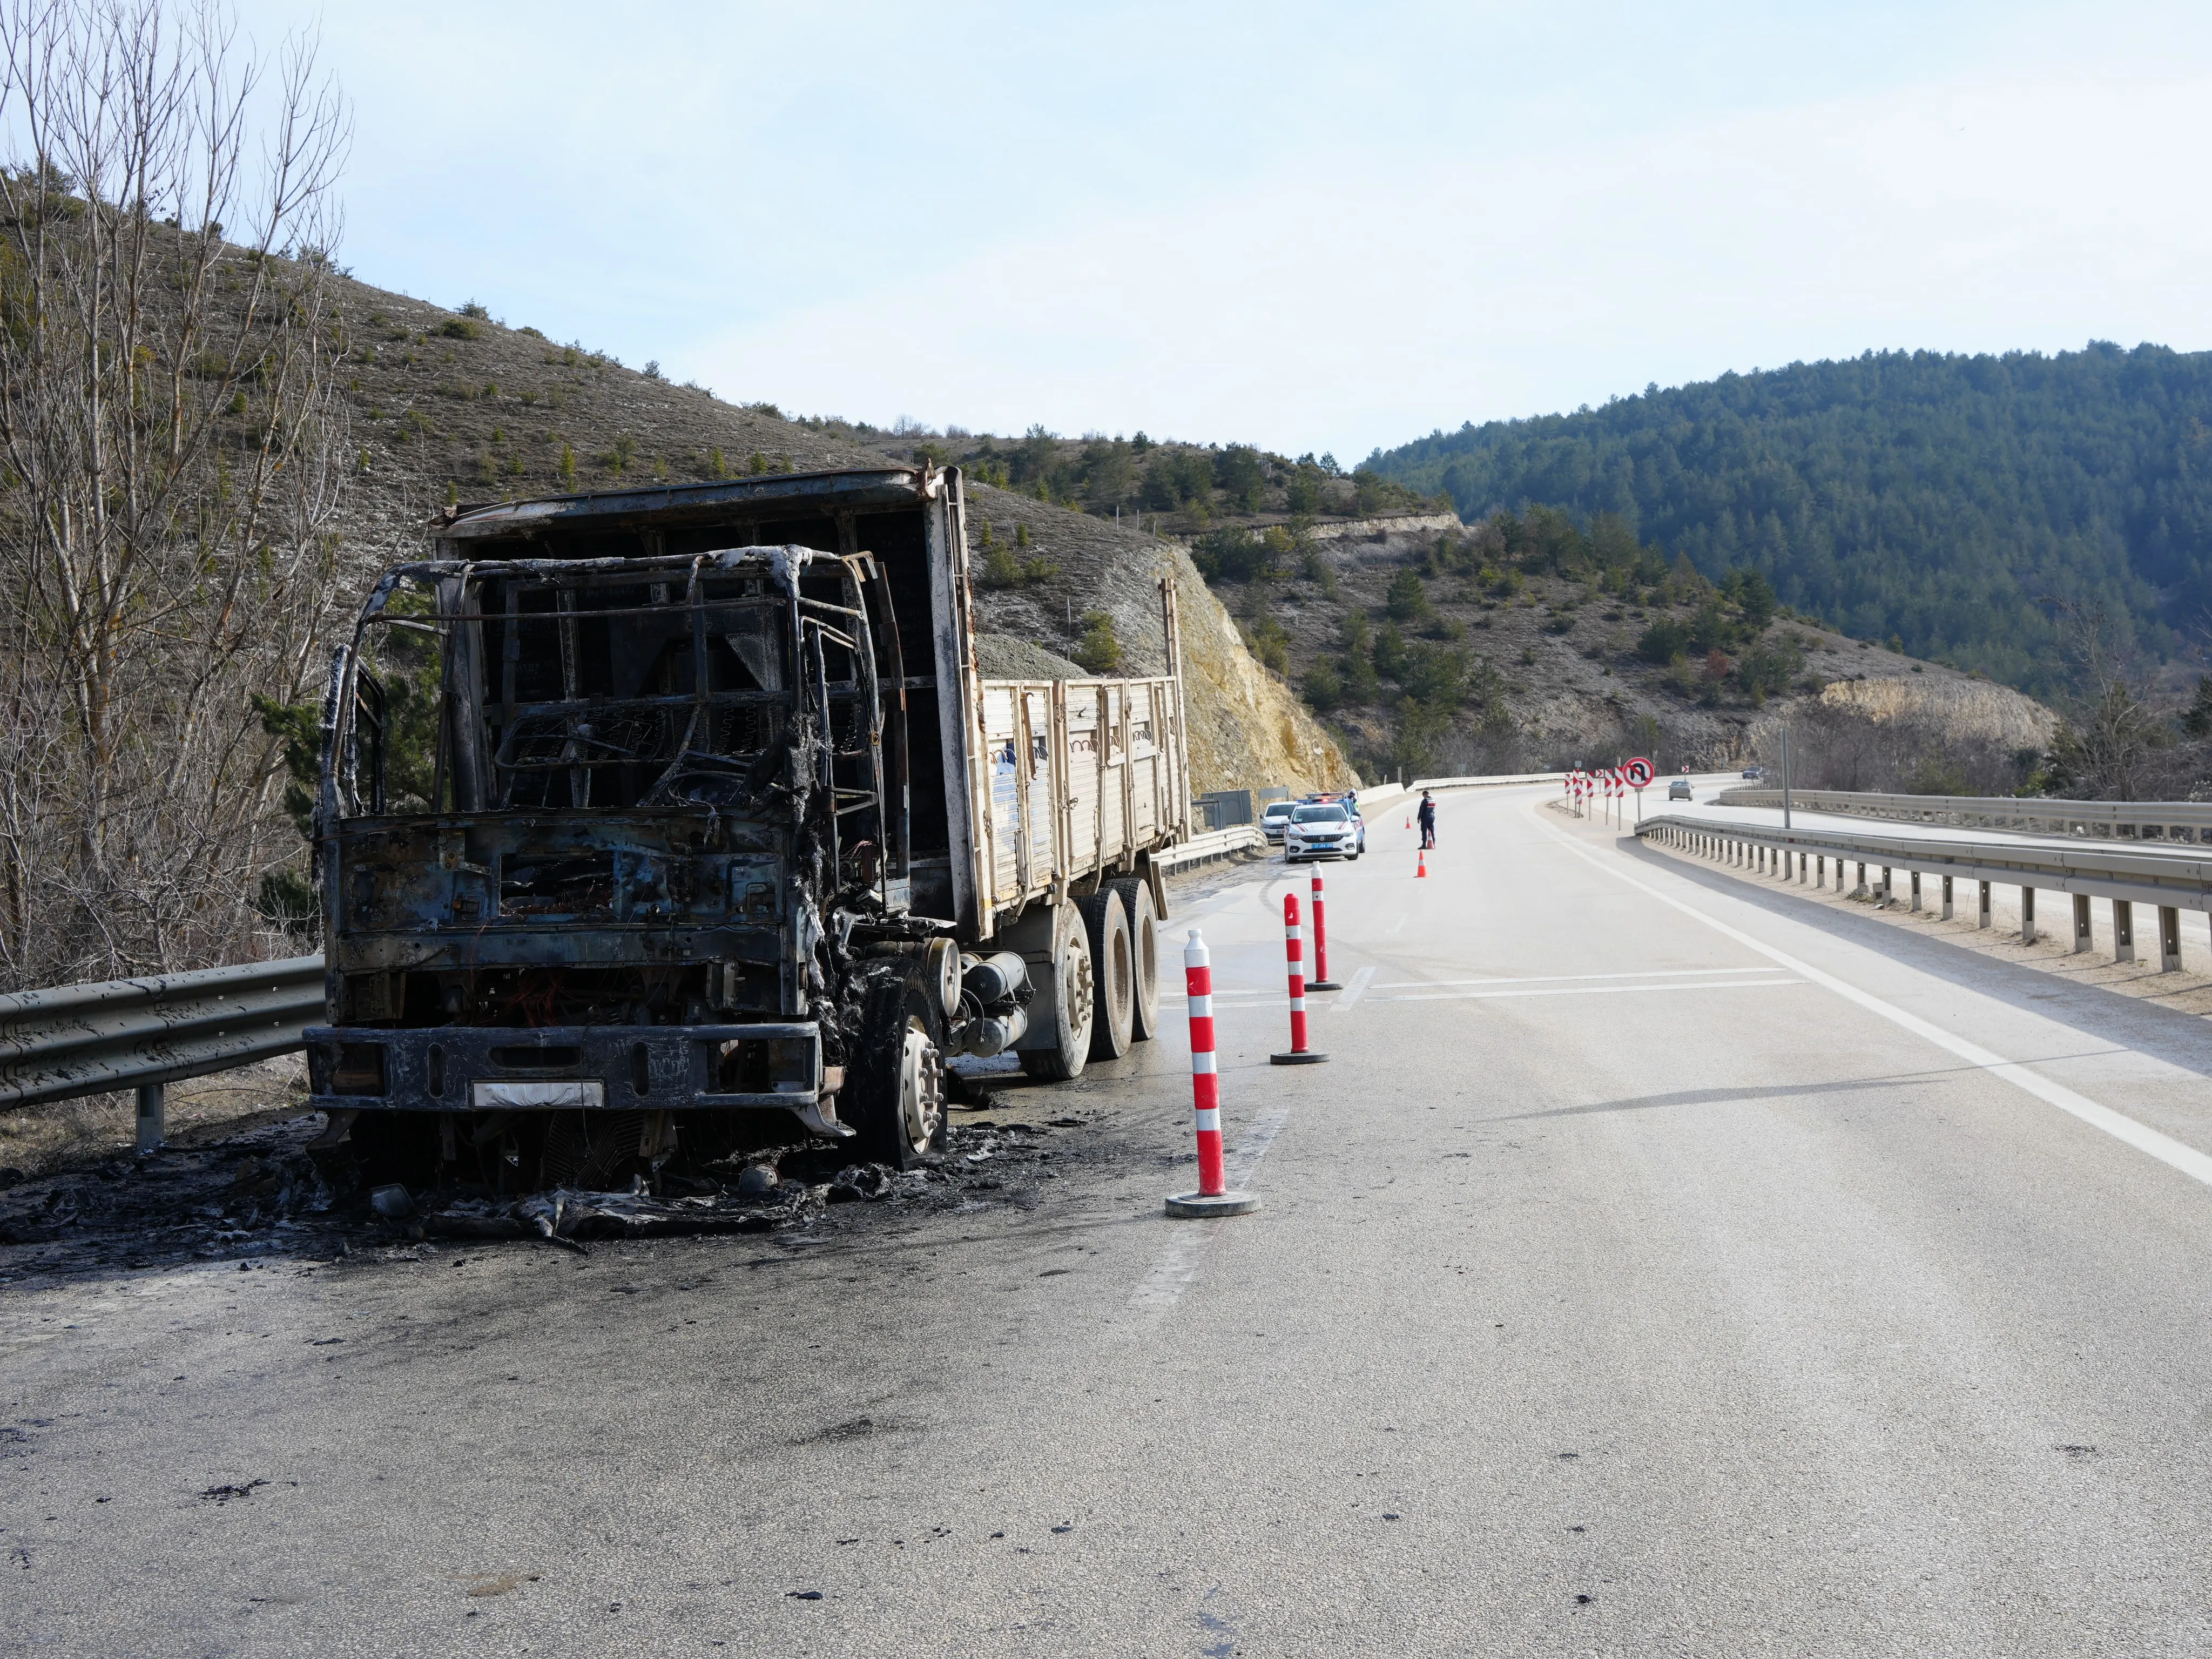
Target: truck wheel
[1114, 971]
[1145, 952]
[897, 1086]
[1074, 1001]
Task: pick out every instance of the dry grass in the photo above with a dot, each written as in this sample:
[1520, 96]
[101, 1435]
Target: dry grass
[73, 1133]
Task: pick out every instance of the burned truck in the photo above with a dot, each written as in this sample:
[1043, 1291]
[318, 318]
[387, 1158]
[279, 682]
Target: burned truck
[662, 822]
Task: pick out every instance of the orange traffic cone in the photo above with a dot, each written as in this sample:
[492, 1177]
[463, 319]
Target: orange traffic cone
[1421, 866]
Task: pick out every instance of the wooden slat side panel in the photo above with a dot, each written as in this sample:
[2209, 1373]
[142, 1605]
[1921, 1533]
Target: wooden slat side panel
[1003, 741]
[1083, 764]
[1036, 782]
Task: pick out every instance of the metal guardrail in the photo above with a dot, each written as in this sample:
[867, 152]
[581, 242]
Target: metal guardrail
[1213, 844]
[2173, 880]
[2184, 821]
[144, 1034]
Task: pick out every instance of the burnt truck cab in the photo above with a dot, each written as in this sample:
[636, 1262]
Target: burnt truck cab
[642, 805]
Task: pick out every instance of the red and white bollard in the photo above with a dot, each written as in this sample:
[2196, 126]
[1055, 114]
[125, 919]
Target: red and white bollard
[1294, 946]
[1321, 980]
[1212, 1196]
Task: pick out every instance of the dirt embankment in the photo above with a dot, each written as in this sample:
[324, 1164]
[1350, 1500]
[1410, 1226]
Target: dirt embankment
[1968, 708]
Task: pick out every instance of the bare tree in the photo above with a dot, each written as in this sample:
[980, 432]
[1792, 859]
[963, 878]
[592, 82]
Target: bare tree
[173, 450]
[2112, 744]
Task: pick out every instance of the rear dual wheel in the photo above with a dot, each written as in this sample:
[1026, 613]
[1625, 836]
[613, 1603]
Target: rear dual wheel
[1136, 894]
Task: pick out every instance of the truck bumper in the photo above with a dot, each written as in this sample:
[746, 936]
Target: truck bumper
[630, 1069]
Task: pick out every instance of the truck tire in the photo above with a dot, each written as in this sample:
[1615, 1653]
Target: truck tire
[1067, 982]
[1113, 972]
[1144, 952]
[894, 1098]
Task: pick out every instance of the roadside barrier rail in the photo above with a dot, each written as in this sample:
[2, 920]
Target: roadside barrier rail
[1213, 844]
[145, 1034]
[2124, 872]
[2184, 821]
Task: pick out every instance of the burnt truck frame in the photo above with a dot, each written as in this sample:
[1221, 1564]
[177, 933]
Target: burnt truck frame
[652, 821]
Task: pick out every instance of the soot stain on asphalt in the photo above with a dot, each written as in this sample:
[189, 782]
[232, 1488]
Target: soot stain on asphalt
[259, 1197]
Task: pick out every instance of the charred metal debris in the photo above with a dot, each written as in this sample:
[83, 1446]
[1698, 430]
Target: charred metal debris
[262, 1193]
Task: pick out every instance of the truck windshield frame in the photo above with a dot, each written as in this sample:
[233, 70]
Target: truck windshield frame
[609, 684]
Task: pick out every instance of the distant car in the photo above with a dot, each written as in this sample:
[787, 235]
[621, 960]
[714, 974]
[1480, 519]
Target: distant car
[1277, 814]
[1323, 831]
[1754, 771]
[1679, 789]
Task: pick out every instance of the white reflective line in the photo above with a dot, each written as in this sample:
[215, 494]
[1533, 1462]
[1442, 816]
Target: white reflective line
[1201, 1007]
[1396, 927]
[1358, 988]
[1209, 1118]
[1556, 979]
[1202, 1062]
[1160, 1288]
[1597, 990]
[2165, 1148]
[1298, 1004]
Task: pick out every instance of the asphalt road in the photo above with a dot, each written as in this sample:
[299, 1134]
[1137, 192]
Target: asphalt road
[1659, 1266]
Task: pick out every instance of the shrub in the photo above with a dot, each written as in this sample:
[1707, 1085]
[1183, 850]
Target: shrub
[567, 469]
[1098, 652]
[715, 468]
[1039, 570]
[1408, 600]
[1000, 568]
[652, 369]
[461, 328]
[1233, 555]
[1021, 535]
[473, 310]
[759, 464]
[1324, 689]
[1664, 641]
[531, 333]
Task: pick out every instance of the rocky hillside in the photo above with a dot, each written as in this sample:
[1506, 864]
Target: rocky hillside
[453, 406]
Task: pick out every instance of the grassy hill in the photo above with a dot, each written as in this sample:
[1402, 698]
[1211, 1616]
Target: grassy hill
[1951, 505]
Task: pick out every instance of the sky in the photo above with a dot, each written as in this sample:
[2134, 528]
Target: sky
[1313, 227]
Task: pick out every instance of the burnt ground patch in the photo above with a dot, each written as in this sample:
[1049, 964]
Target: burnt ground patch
[260, 1192]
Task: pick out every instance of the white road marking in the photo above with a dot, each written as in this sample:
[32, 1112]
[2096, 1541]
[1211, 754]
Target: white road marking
[1598, 990]
[1554, 979]
[2140, 1136]
[1358, 988]
[1160, 1290]
[1396, 927]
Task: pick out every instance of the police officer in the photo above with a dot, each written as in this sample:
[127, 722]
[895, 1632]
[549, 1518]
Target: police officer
[1427, 818]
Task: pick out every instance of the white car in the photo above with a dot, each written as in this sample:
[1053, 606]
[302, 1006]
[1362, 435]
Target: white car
[1324, 830]
[1274, 816]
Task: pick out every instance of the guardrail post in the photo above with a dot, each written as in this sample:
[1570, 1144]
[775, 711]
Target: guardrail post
[2169, 939]
[153, 1116]
[1983, 919]
[1946, 898]
[1821, 871]
[1888, 892]
[1804, 868]
[2028, 915]
[2082, 928]
[1916, 890]
[2124, 931]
